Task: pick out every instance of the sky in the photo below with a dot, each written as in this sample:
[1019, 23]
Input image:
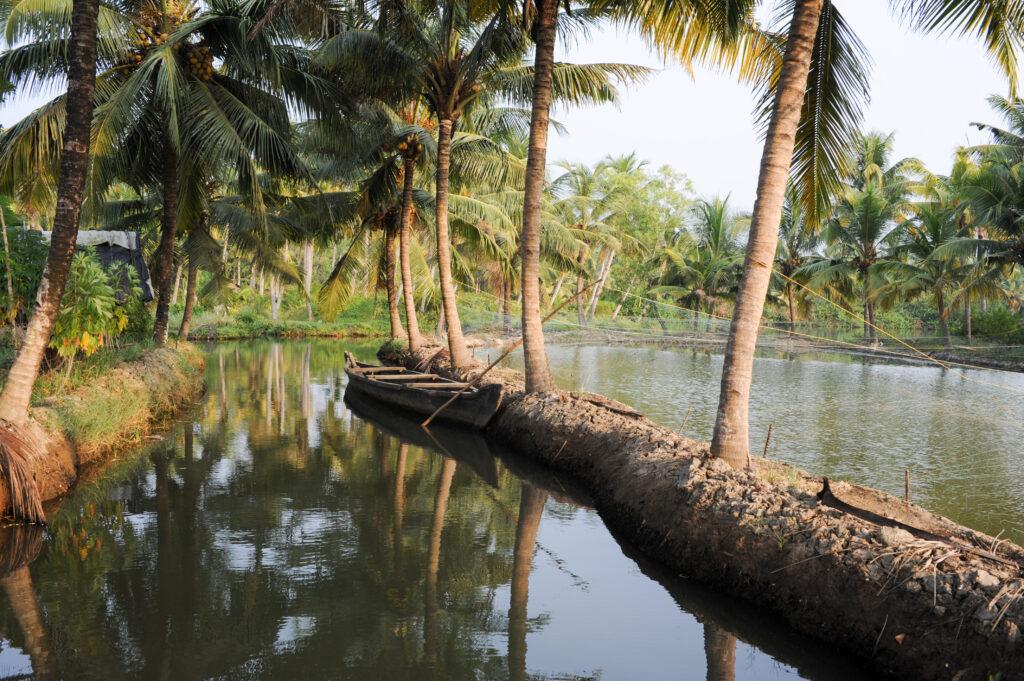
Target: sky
[927, 89]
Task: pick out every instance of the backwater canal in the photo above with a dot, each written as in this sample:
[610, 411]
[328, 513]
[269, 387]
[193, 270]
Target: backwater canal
[281, 533]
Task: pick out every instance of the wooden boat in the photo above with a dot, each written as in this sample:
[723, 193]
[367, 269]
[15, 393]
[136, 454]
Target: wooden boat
[419, 393]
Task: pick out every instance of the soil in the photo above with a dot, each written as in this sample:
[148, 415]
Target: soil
[167, 381]
[949, 607]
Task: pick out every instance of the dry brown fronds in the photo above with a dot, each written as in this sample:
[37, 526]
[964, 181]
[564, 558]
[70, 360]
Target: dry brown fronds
[26, 505]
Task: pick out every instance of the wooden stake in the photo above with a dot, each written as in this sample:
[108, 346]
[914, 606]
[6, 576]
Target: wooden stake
[768, 440]
[504, 355]
[685, 419]
[906, 485]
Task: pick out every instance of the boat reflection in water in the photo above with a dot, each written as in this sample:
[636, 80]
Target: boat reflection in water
[284, 534]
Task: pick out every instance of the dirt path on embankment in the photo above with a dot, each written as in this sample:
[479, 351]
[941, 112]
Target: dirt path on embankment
[947, 604]
[116, 410]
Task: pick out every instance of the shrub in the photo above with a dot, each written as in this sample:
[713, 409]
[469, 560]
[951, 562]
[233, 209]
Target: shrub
[89, 311]
[28, 258]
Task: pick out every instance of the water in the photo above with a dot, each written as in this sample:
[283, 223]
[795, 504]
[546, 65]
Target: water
[961, 435]
[279, 534]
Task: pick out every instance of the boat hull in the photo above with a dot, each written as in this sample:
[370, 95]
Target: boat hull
[473, 409]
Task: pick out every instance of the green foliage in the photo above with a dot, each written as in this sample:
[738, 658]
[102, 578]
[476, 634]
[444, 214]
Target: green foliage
[998, 323]
[89, 312]
[28, 257]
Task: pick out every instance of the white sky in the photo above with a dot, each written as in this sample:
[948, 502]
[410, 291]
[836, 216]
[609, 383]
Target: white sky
[927, 89]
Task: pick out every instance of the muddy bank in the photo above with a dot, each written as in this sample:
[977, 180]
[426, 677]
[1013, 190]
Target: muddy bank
[985, 362]
[114, 411]
[947, 603]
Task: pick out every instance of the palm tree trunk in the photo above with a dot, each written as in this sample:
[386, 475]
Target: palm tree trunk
[792, 308]
[606, 269]
[535, 358]
[404, 252]
[731, 439]
[506, 301]
[444, 489]
[622, 301]
[554, 294]
[74, 163]
[456, 342]
[190, 302]
[307, 276]
[177, 282]
[580, 318]
[7, 261]
[657, 315]
[944, 320]
[165, 251]
[25, 605]
[531, 509]
[720, 651]
[397, 330]
[967, 318]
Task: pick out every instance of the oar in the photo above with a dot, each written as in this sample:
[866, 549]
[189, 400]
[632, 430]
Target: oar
[505, 354]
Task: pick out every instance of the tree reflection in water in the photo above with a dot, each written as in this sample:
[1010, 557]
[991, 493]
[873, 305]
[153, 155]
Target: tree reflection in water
[279, 535]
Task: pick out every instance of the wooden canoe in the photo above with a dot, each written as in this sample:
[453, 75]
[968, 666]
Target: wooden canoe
[419, 393]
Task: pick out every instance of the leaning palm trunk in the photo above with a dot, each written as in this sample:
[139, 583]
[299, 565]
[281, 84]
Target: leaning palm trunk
[731, 439]
[397, 330]
[606, 268]
[404, 256]
[74, 163]
[554, 293]
[165, 251]
[580, 317]
[190, 302]
[456, 342]
[538, 373]
[21, 594]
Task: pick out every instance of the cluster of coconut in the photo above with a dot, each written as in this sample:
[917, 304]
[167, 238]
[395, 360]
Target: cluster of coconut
[410, 147]
[198, 58]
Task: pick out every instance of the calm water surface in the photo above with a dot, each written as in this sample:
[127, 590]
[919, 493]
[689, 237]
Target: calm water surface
[283, 534]
[960, 435]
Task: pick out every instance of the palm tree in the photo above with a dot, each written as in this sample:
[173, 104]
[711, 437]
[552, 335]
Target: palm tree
[588, 206]
[81, 70]
[797, 242]
[702, 266]
[923, 272]
[867, 223]
[159, 84]
[813, 115]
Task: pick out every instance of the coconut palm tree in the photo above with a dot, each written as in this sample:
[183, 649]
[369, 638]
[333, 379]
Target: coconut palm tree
[78, 56]
[158, 82]
[812, 103]
[919, 271]
[868, 222]
[797, 244]
[447, 57]
[702, 266]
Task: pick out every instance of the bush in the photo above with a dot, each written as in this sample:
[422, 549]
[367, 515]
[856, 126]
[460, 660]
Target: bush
[998, 323]
[28, 258]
